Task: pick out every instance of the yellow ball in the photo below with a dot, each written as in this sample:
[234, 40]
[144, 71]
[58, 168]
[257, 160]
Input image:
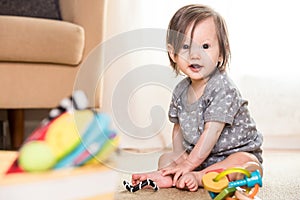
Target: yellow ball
[36, 156]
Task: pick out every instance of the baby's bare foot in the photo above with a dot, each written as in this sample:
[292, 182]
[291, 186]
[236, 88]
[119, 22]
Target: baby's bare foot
[156, 176]
[188, 181]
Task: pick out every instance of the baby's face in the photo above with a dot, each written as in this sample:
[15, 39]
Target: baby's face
[199, 58]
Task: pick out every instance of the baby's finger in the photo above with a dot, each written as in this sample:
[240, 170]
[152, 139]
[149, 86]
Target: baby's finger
[194, 188]
[188, 182]
[168, 172]
[175, 178]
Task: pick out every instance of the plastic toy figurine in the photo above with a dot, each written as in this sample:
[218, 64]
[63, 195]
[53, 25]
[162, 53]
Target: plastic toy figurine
[139, 186]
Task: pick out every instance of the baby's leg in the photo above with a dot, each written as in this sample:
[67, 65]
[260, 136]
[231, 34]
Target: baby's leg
[239, 159]
[166, 160]
[156, 176]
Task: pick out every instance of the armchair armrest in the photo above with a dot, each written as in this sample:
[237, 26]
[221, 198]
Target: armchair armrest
[88, 14]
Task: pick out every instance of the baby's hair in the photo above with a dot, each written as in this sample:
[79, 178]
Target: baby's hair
[192, 15]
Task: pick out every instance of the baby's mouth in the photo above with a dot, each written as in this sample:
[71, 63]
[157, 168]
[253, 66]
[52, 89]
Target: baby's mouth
[195, 66]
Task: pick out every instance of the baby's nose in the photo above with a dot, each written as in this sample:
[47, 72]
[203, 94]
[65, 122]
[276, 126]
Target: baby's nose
[195, 52]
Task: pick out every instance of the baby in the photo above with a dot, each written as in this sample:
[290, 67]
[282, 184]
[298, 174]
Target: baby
[213, 128]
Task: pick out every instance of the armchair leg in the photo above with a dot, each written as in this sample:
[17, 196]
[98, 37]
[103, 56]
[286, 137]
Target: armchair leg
[16, 127]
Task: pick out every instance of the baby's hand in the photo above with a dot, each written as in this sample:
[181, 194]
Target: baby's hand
[178, 170]
[188, 181]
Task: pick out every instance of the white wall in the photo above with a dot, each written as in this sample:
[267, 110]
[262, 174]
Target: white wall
[264, 38]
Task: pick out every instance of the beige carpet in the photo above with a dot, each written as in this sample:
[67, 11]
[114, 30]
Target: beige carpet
[281, 178]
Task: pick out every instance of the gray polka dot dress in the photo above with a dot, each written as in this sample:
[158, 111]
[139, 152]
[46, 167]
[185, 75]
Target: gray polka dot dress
[221, 102]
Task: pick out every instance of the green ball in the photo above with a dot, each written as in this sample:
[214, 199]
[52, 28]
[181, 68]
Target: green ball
[36, 156]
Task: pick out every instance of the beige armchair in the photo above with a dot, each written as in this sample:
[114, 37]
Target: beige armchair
[39, 58]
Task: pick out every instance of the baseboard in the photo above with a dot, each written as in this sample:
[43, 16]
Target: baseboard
[287, 142]
[271, 142]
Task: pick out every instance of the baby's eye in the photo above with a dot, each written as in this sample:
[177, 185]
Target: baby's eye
[185, 46]
[205, 46]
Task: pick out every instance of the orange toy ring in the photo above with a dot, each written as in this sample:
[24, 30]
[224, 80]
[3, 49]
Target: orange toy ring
[244, 196]
[254, 192]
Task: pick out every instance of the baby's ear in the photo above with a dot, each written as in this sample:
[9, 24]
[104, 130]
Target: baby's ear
[220, 59]
[171, 52]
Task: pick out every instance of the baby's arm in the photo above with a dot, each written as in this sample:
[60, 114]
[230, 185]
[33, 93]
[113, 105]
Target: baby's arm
[208, 139]
[202, 149]
[178, 155]
[178, 148]
[177, 140]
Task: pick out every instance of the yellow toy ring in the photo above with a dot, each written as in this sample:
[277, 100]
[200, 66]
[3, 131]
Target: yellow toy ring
[230, 171]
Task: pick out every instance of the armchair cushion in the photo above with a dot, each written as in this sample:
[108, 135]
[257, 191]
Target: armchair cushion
[31, 8]
[26, 39]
